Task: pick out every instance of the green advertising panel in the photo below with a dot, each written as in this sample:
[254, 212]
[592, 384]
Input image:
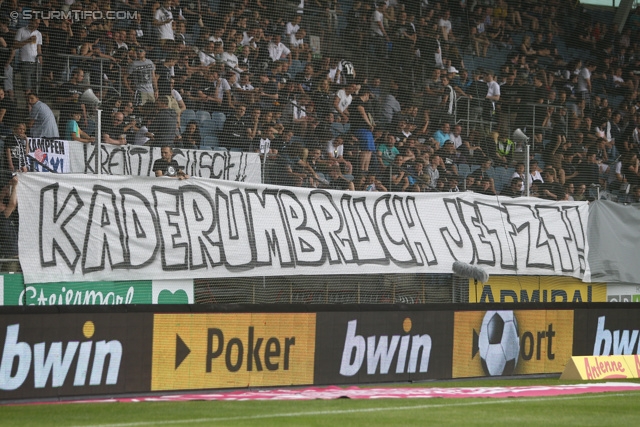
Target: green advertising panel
[13, 291]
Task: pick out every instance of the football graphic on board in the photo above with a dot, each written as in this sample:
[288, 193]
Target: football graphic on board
[498, 343]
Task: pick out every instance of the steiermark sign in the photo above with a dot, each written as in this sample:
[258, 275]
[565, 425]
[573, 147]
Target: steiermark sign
[13, 291]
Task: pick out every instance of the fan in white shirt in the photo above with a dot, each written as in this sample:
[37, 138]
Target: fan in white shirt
[163, 19]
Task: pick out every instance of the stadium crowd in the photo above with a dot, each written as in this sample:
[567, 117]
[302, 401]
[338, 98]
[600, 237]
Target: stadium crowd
[351, 95]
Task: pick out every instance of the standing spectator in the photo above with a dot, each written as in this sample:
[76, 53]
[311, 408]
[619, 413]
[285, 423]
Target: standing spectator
[9, 220]
[29, 42]
[69, 96]
[363, 127]
[588, 171]
[143, 73]
[163, 21]
[16, 149]
[7, 35]
[493, 94]
[8, 110]
[379, 34]
[584, 82]
[237, 130]
[163, 127]
[43, 122]
[446, 27]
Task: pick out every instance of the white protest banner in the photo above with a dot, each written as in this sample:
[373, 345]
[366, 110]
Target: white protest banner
[52, 153]
[77, 227]
[138, 160]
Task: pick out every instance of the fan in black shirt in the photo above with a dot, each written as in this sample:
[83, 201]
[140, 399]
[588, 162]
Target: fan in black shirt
[167, 165]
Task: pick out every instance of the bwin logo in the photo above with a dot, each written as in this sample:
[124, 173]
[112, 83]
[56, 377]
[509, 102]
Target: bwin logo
[57, 362]
[384, 351]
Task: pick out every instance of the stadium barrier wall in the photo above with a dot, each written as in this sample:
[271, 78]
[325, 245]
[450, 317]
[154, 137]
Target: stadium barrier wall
[503, 289]
[64, 351]
[13, 291]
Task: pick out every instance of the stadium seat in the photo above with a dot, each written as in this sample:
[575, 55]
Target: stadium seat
[499, 178]
[295, 67]
[208, 128]
[201, 116]
[538, 158]
[218, 120]
[474, 168]
[209, 142]
[464, 170]
[185, 118]
[491, 173]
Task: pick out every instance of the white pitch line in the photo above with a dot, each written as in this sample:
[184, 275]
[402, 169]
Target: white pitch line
[354, 411]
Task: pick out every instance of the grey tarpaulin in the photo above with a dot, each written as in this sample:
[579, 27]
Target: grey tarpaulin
[613, 233]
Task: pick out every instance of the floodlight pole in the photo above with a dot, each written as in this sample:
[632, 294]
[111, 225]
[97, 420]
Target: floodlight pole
[527, 165]
[99, 142]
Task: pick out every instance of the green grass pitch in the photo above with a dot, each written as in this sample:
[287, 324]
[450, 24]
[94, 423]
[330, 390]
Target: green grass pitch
[610, 409]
